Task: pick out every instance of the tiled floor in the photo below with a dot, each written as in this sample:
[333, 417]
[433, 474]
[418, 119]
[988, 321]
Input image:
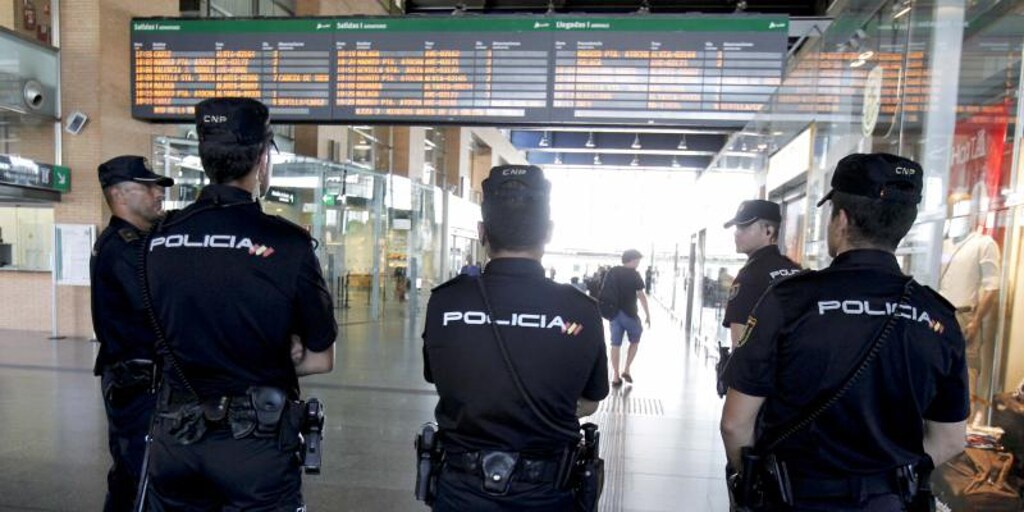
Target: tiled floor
[660, 435]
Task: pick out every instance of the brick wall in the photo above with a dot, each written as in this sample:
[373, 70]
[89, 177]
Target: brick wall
[94, 60]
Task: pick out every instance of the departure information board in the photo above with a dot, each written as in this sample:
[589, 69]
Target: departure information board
[629, 70]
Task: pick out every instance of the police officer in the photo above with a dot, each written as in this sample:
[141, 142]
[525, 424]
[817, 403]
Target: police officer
[757, 234]
[809, 333]
[555, 343]
[244, 311]
[135, 195]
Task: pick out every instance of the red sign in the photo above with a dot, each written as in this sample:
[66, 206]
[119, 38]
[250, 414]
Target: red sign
[978, 148]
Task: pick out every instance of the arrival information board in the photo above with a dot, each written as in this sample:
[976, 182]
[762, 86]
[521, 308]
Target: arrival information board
[633, 70]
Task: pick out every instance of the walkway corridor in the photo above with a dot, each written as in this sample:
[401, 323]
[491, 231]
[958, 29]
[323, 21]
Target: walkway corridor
[660, 435]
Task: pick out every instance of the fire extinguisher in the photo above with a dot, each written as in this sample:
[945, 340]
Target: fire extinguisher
[28, 15]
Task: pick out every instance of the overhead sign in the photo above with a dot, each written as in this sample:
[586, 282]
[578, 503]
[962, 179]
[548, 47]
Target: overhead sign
[634, 70]
[22, 172]
[280, 195]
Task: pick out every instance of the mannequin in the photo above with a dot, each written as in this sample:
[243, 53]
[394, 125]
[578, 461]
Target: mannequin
[970, 280]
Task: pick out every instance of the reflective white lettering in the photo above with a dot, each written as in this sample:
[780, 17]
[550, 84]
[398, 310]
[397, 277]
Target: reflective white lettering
[451, 316]
[529, 321]
[174, 241]
[474, 317]
[556, 322]
[827, 305]
[222, 241]
[192, 244]
[245, 243]
[853, 307]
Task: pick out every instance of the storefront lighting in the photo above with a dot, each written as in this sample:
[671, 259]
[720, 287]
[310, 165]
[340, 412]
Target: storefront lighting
[901, 8]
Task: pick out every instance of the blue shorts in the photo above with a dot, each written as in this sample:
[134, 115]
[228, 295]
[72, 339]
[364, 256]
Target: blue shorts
[625, 324]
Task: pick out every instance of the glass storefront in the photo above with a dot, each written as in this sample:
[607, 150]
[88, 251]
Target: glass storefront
[379, 235]
[940, 83]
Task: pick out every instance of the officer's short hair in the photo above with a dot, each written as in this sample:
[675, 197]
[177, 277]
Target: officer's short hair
[514, 220]
[229, 161]
[874, 222]
[776, 226]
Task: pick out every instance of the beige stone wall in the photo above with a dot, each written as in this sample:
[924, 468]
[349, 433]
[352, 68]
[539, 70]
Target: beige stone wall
[94, 59]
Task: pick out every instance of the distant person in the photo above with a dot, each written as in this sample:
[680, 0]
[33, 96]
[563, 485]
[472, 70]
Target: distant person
[624, 287]
[470, 268]
[552, 273]
[648, 279]
[575, 282]
[725, 280]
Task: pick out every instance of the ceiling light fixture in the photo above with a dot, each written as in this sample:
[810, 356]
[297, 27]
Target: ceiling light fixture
[558, 158]
[545, 140]
[590, 141]
[636, 142]
[597, 159]
[675, 162]
[682, 143]
[636, 161]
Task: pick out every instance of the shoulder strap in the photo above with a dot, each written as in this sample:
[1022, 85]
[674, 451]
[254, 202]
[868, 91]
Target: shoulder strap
[161, 342]
[827, 402]
[512, 369]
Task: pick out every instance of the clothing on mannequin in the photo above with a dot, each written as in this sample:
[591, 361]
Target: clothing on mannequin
[969, 279]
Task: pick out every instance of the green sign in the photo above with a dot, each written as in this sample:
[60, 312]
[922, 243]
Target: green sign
[653, 23]
[22, 172]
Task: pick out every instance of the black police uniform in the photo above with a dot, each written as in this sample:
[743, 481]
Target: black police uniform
[125, 359]
[555, 339]
[230, 286]
[764, 267]
[805, 336]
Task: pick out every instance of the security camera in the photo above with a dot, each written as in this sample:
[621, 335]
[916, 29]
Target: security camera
[33, 94]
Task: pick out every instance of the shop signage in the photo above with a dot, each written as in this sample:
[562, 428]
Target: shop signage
[280, 195]
[22, 172]
[977, 154]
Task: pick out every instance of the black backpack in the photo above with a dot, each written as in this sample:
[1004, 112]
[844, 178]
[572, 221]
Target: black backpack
[608, 297]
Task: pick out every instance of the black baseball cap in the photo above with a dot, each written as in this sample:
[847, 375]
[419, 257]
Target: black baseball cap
[754, 209]
[631, 254]
[878, 176]
[531, 176]
[130, 168]
[233, 120]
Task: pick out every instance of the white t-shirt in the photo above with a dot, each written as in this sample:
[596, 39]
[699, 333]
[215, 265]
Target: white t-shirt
[968, 268]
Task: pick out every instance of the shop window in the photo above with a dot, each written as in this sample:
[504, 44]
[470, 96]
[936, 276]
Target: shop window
[26, 234]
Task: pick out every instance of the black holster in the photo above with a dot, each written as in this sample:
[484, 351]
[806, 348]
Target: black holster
[588, 470]
[429, 454]
[125, 380]
[762, 484]
[916, 488]
[313, 419]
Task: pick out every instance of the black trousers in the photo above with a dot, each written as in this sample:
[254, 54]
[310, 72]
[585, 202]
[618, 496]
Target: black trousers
[875, 503]
[221, 473]
[128, 417]
[459, 492]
